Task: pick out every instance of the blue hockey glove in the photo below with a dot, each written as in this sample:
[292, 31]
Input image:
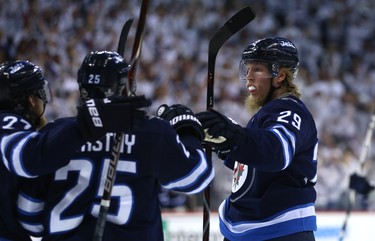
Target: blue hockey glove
[182, 119]
[96, 117]
[221, 133]
[360, 184]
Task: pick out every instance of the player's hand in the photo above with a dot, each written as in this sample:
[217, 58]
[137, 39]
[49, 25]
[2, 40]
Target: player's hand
[96, 117]
[360, 184]
[221, 133]
[182, 119]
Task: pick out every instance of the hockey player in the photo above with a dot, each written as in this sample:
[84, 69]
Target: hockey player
[26, 152]
[159, 153]
[274, 158]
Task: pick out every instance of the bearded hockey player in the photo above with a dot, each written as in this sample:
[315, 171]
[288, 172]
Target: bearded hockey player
[274, 158]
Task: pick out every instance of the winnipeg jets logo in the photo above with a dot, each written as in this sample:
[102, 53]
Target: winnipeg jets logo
[239, 176]
[16, 68]
[288, 44]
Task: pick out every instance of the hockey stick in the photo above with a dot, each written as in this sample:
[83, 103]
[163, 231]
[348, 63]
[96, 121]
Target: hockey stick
[119, 139]
[137, 48]
[231, 27]
[362, 159]
[124, 36]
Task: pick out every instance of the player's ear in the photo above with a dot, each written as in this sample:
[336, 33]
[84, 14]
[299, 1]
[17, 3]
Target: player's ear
[32, 101]
[280, 77]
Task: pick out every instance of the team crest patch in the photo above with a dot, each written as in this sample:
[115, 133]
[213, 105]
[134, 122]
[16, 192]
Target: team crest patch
[239, 176]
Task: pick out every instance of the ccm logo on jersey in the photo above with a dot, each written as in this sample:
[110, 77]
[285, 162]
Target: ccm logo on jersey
[182, 118]
[94, 113]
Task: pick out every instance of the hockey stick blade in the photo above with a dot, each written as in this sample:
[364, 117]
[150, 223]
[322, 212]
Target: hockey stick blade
[137, 48]
[231, 27]
[124, 36]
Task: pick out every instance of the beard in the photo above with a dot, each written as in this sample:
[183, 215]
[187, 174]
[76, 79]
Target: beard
[253, 104]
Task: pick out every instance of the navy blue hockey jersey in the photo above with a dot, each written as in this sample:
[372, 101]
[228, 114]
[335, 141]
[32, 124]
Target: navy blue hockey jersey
[274, 172]
[151, 157]
[26, 153]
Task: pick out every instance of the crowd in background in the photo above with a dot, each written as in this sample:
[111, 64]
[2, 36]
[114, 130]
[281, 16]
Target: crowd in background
[335, 39]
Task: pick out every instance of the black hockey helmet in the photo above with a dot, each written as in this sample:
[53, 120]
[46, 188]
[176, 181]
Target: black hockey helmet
[102, 74]
[277, 51]
[19, 80]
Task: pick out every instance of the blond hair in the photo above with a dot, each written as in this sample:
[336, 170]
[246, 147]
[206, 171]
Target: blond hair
[289, 85]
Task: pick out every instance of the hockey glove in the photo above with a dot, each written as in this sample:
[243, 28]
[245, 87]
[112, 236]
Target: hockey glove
[182, 119]
[222, 133]
[96, 117]
[360, 184]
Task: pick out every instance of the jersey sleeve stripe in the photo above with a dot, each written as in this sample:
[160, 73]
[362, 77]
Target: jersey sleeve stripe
[29, 205]
[4, 146]
[33, 229]
[287, 141]
[190, 179]
[204, 184]
[29, 213]
[289, 134]
[17, 153]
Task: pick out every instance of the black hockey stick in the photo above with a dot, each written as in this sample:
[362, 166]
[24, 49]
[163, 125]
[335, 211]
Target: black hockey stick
[362, 158]
[119, 139]
[124, 36]
[231, 27]
[137, 48]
